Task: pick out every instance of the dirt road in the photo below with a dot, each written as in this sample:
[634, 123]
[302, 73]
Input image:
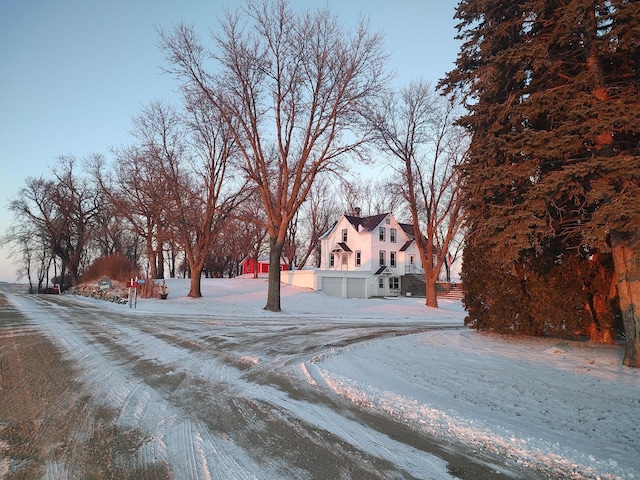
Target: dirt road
[95, 393]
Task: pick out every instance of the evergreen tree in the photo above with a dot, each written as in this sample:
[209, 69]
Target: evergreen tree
[553, 92]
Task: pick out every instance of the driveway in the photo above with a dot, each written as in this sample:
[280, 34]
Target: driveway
[90, 392]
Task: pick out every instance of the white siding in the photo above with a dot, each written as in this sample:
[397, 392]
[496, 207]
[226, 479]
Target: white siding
[359, 281]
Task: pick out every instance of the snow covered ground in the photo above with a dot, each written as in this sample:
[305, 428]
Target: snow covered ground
[568, 407]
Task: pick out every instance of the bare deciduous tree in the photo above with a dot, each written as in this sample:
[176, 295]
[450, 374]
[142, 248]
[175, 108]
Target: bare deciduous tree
[317, 212]
[137, 194]
[191, 157]
[371, 197]
[63, 209]
[291, 86]
[417, 127]
[110, 236]
[29, 247]
[251, 216]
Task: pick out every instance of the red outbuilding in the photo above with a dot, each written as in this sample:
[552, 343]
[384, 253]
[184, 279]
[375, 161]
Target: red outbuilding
[250, 265]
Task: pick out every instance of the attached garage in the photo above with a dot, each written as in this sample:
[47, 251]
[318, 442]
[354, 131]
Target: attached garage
[356, 288]
[332, 286]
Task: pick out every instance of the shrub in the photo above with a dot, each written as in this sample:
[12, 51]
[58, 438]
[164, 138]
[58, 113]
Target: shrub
[116, 267]
[151, 289]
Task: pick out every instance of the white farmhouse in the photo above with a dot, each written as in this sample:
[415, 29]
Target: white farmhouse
[365, 257]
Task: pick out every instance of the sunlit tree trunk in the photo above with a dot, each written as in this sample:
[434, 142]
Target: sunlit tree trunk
[195, 282]
[626, 257]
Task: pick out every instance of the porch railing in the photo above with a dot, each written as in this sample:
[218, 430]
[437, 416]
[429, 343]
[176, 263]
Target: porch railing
[412, 268]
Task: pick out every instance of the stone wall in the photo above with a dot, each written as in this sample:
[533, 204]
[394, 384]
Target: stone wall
[113, 294]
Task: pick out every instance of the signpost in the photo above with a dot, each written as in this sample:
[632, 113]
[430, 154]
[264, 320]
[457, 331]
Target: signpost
[133, 286]
[104, 283]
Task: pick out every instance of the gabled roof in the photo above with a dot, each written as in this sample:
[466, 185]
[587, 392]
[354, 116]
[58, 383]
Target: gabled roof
[408, 229]
[406, 245]
[384, 270]
[367, 223]
[341, 246]
[326, 234]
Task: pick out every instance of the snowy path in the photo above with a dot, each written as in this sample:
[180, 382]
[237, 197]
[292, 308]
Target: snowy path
[210, 399]
[202, 391]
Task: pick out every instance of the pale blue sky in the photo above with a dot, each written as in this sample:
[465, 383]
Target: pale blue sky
[74, 72]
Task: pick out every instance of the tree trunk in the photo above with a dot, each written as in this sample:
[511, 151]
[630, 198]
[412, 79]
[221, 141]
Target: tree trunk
[273, 291]
[431, 295]
[194, 286]
[598, 331]
[626, 257]
[151, 254]
[160, 262]
[195, 267]
[172, 267]
[430, 282]
[73, 266]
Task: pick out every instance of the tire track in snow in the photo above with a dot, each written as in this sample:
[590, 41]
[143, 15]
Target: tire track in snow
[347, 430]
[118, 385]
[211, 413]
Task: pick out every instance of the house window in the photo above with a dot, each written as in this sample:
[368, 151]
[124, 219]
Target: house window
[332, 260]
[392, 235]
[358, 258]
[344, 234]
[382, 258]
[381, 283]
[394, 284]
[382, 234]
[392, 259]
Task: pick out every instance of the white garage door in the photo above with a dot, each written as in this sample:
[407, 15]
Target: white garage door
[332, 286]
[356, 288]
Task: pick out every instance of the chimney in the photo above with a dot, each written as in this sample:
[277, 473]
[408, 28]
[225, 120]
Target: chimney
[356, 212]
